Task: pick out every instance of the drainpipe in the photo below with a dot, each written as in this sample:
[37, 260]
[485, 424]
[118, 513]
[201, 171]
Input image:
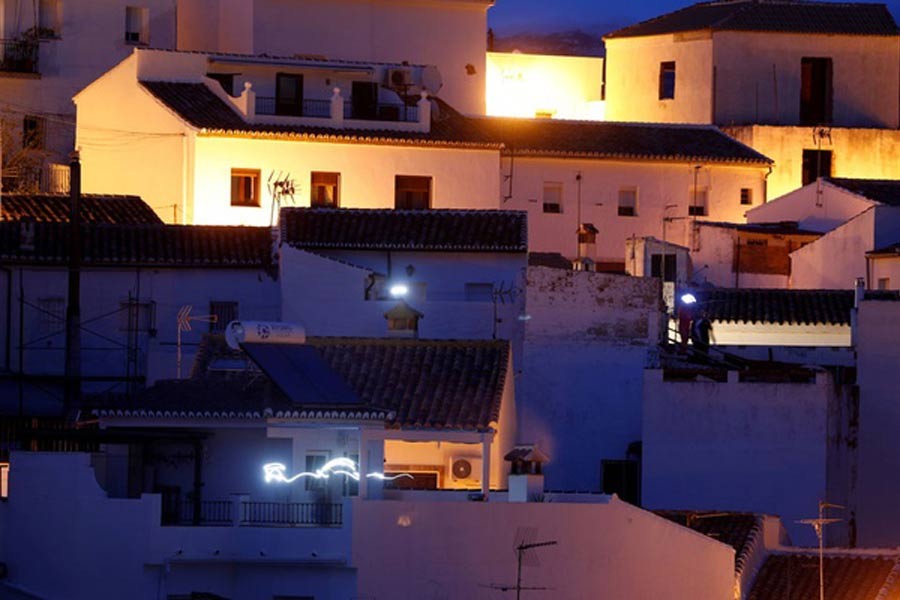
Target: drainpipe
[7, 343]
[73, 308]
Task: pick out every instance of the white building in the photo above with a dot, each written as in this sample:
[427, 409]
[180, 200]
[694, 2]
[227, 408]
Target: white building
[452, 35]
[811, 85]
[51, 49]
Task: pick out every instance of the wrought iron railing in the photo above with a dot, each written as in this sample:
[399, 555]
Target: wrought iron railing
[212, 512]
[19, 56]
[258, 514]
[321, 109]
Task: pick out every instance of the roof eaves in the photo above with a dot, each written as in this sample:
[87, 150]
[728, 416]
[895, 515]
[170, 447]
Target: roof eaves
[349, 139]
[537, 153]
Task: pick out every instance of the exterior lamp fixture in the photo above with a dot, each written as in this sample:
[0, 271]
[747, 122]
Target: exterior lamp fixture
[399, 290]
[688, 299]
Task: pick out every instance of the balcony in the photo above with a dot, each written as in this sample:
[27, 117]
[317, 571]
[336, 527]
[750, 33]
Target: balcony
[321, 109]
[239, 512]
[19, 56]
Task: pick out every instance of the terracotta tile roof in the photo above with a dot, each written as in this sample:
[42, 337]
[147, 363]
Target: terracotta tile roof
[447, 384]
[387, 229]
[884, 191]
[95, 208]
[738, 530]
[796, 577]
[141, 245]
[783, 16]
[200, 107]
[802, 307]
[595, 139]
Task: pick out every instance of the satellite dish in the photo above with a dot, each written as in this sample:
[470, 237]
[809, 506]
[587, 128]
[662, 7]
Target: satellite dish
[432, 81]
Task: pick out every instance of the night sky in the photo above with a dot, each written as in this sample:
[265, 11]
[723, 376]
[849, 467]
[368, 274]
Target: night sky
[595, 16]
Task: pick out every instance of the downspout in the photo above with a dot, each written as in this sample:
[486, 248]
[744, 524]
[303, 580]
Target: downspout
[7, 343]
[21, 343]
[509, 178]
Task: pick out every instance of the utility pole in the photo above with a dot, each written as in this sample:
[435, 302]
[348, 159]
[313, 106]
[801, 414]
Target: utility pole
[72, 396]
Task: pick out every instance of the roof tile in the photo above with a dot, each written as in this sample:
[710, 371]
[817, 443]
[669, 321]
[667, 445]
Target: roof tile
[802, 307]
[796, 576]
[95, 208]
[884, 191]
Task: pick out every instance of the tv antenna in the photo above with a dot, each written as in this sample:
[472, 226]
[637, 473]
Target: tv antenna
[281, 188]
[184, 324]
[525, 547]
[819, 525]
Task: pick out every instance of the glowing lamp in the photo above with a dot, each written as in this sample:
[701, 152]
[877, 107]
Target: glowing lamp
[399, 290]
[688, 299]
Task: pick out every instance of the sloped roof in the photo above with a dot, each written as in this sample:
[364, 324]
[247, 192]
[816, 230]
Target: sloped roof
[884, 191]
[388, 229]
[429, 384]
[738, 530]
[781, 306]
[796, 576]
[781, 16]
[95, 208]
[140, 245]
[200, 107]
[891, 250]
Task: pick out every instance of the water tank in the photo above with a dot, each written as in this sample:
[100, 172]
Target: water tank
[263, 332]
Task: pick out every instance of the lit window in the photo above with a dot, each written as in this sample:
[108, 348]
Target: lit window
[699, 205]
[553, 195]
[324, 189]
[412, 192]
[244, 187]
[746, 196]
[224, 313]
[48, 19]
[4, 480]
[137, 25]
[628, 202]
[667, 80]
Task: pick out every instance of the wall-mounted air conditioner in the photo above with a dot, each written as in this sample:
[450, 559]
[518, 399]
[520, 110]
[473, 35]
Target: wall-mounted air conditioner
[465, 471]
[398, 78]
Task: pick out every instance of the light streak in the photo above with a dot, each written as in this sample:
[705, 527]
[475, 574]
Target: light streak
[277, 472]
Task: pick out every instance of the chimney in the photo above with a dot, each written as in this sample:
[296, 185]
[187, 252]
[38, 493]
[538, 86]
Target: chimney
[526, 473]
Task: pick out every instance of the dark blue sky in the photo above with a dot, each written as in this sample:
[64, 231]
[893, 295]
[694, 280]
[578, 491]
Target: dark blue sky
[596, 16]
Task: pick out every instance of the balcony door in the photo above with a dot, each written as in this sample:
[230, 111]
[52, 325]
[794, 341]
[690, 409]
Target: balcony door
[816, 91]
[364, 99]
[289, 94]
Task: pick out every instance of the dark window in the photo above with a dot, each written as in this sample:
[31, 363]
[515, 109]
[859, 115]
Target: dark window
[816, 163]
[244, 187]
[137, 25]
[364, 99]
[656, 266]
[412, 193]
[666, 80]
[48, 19]
[224, 313]
[314, 462]
[628, 202]
[816, 93]
[699, 203]
[226, 80]
[137, 316]
[324, 189]
[746, 196]
[553, 197]
[289, 95]
[623, 478]
[33, 133]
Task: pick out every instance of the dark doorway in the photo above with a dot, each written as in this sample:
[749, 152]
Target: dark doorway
[816, 163]
[656, 270]
[816, 92]
[289, 95]
[364, 100]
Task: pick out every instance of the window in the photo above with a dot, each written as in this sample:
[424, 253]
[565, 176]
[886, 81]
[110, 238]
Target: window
[816, 94]
[656, 268]
[245, 187]
[479, 292]
[137, 316]
[553, 195]
[226, 80]
[351, 486]
[224, 313]
[699, 202]
[51, 316]
[623, 478]
[746, 196]
[137, 25]
[412, 193]
[816, 163]
[364, 100]
[289, 94]
[48, 19]
[628, 202]
[33, 132]
[314, 461]
[884, 283]
[667, 80]
[324, 190]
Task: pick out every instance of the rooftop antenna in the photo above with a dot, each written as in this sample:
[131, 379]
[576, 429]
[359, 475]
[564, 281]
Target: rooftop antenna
[184, 324]
[525, 547]
[819, 134]
[819, 525]
[280, 188]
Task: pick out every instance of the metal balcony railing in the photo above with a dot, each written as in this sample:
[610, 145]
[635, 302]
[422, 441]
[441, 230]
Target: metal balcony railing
[19, 56]
[321, 109]
[258, 514]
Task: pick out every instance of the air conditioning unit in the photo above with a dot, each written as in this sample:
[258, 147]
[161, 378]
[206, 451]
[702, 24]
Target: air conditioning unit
[398, 78]
[465, 470]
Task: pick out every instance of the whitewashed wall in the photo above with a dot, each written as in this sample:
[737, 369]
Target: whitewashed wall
[758, 447]
[465, 550]
[812, 210]
[586, 344]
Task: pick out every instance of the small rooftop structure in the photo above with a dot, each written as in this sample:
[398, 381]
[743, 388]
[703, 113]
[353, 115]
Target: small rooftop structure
[773, 16]
[781, 306]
